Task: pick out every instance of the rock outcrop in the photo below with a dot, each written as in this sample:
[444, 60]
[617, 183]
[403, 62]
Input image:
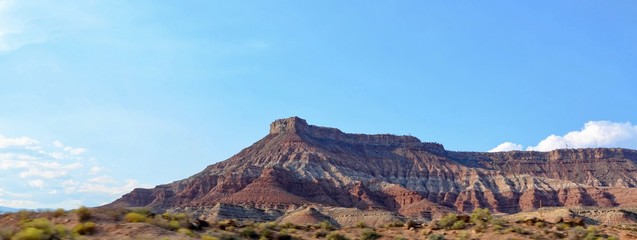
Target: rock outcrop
[299, 165]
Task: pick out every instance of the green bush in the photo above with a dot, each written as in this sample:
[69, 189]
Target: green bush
[5, 234]
[336, 236]
[41, 224]
[283, 236]
[320, 234]
[464, 235]
[59, 212]
[24, 215]
[86, 228]
[436, 237]
[458, 225]
[326, 225]
[396, 224]
[288, 225]
[498, 222]
[180, 216]
[186, 231]
[361, 225]
[83, 213]
[248, 232]
[369, 234]
[134, 217]
[480, 215]
[30, 233]
[206, 237]
[142, 211]
[447, 221]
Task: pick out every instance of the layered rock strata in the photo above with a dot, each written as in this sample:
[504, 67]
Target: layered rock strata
[299, 165]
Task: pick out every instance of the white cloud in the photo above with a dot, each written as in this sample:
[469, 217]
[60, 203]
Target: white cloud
[39, 175]
[71, 150]
[16, 203]
[58, 144]
[6, 142]
[507, 146]
[594, 134]
[38, 183]
[95, 170]
[96, 186]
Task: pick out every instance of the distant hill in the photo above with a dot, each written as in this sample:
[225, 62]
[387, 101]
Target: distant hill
[8, 209]
[309, 173]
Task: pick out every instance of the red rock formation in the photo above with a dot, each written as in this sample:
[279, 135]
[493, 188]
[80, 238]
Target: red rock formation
[298, 164]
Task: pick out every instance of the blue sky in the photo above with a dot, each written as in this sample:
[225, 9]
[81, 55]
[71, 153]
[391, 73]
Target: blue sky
[98, 97]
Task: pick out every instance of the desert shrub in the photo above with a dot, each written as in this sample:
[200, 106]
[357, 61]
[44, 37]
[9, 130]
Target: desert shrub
[516, 229]
[361, 225]
[496, 228]
[458, 225]
[464, 235]
[134, 217]
[369, 234]
[226, 224]
[30, 233]
[480, 215]
[396, 224]
[186, 231]
[180, 216]
[248, 232]
[24, 215]
[59, 212]
[269, 225]
[613, 238]
[540, 224]
[591, 233]
[86, 228]
[266, 233]
[206, 237]
[61, 230]
[326, 225]
[447, 221]
[436, 237]
[5, 234]
[83, 213]
[563, 226]
[227, 237]
[480, 227]
[288, 225]
[283, 236]
[141, 210]
[39, 223]
[336, 236]
[577, 233]
[174, 224]
[320, 234]
[498, 222]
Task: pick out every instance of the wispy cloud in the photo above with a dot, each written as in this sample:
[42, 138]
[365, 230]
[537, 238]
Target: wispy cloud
[29, 22]
[593, 134]
[35, 174]
[16, 142]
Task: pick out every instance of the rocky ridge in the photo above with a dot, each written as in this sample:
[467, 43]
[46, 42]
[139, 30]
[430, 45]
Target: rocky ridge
[299, 166]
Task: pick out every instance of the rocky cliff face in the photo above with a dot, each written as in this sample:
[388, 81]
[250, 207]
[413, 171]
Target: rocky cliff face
[299, 165]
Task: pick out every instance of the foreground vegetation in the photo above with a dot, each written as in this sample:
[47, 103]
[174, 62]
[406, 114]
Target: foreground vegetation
[84, 223]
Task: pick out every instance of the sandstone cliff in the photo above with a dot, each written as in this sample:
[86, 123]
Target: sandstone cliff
[297, 166]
